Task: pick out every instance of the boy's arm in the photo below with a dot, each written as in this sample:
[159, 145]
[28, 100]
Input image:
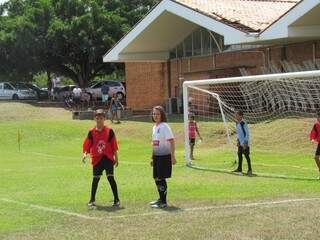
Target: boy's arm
[173, 150]
[246, 137]
[86, 147]
[198, 132]
[114, 146]
[116, 161]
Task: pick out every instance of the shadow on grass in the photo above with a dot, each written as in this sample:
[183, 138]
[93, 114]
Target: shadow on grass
[261, 175]
[108, 208]
[171, 209]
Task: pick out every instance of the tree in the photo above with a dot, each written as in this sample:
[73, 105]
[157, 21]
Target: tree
[68, 37]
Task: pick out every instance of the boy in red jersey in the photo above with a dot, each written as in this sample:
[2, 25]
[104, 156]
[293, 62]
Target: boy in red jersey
[102, 145]
[315, 137]
[193, 130]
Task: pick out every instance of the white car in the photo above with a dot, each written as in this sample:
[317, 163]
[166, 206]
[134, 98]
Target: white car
[16, 91]
[114, 87]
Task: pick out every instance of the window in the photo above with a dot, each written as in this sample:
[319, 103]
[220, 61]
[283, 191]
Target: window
[7, 87]
[97, 85]
[199, 43]
[113, 84]
[188, 44]
[206, 42]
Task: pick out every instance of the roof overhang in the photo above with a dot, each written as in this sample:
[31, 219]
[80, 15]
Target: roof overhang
[301, 23]
[169, 22]
[162, 29]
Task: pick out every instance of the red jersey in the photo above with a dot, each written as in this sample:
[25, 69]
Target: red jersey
[315, 132]
[100, 143]
[192, 129]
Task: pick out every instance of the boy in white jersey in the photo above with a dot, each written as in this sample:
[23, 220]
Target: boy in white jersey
[163, 154]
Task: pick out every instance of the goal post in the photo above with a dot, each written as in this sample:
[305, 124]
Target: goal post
[262, 98]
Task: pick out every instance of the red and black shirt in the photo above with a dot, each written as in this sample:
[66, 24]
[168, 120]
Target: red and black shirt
[100, 143]
[315, 132]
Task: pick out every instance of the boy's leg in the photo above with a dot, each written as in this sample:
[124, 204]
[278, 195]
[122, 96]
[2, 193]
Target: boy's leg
[97, 171]
[240, 151]
[114, 187]
[317, 158]
[94, 187]
[162, 170]
[247, 156]
[191, 151]
[108, 165]
[162, 189]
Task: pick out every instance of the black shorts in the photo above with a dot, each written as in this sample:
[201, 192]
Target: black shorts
[243, 151]
[162, 166]
[76, 100]
[192, 141]
[104, 164]
[318, 150]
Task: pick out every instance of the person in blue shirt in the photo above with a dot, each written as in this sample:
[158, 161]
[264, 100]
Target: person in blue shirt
[243, 142]
[105, 93]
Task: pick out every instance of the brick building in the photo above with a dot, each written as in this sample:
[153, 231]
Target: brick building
[182, 40]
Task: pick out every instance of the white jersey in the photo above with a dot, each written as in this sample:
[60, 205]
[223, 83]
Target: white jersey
[77, 92]
[161, 134]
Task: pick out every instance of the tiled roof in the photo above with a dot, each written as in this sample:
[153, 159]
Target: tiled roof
[245, 15]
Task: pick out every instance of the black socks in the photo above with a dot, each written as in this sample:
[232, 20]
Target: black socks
[94, 187]
[162, 189]
[114, 188]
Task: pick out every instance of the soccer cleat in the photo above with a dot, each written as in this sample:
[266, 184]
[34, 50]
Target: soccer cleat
[249, 173]
[155, 202]
[116, 203]
[91, 204]
[159, 205]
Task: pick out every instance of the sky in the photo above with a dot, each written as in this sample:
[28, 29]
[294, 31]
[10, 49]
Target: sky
[2, 1]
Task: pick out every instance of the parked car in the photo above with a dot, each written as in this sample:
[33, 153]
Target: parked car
[60, 93]
[16, 91]
[114, 86]
[41, 94]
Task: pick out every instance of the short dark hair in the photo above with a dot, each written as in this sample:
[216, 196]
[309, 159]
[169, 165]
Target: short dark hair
[191, 115]
[99, 112]
[240, 113]
[163, 115]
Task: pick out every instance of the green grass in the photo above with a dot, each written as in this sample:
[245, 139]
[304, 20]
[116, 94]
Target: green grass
[48, 172]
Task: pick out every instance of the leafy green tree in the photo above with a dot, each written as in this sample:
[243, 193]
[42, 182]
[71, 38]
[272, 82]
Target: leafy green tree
[68, 37]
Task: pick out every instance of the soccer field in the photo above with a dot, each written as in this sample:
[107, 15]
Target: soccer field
[44, 188]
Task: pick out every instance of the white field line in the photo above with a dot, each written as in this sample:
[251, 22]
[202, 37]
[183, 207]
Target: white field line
[49, 209]
[219, 207]
[195, 209]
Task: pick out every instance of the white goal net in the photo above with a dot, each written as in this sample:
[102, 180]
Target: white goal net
[280, 110]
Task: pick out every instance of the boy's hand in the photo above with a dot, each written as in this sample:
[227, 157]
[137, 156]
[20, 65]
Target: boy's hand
[245, 145]
[312, 140]
[173, 160]
[84, 157]
[116, 163]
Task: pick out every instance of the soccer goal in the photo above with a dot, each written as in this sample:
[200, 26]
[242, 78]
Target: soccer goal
[279, 108]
